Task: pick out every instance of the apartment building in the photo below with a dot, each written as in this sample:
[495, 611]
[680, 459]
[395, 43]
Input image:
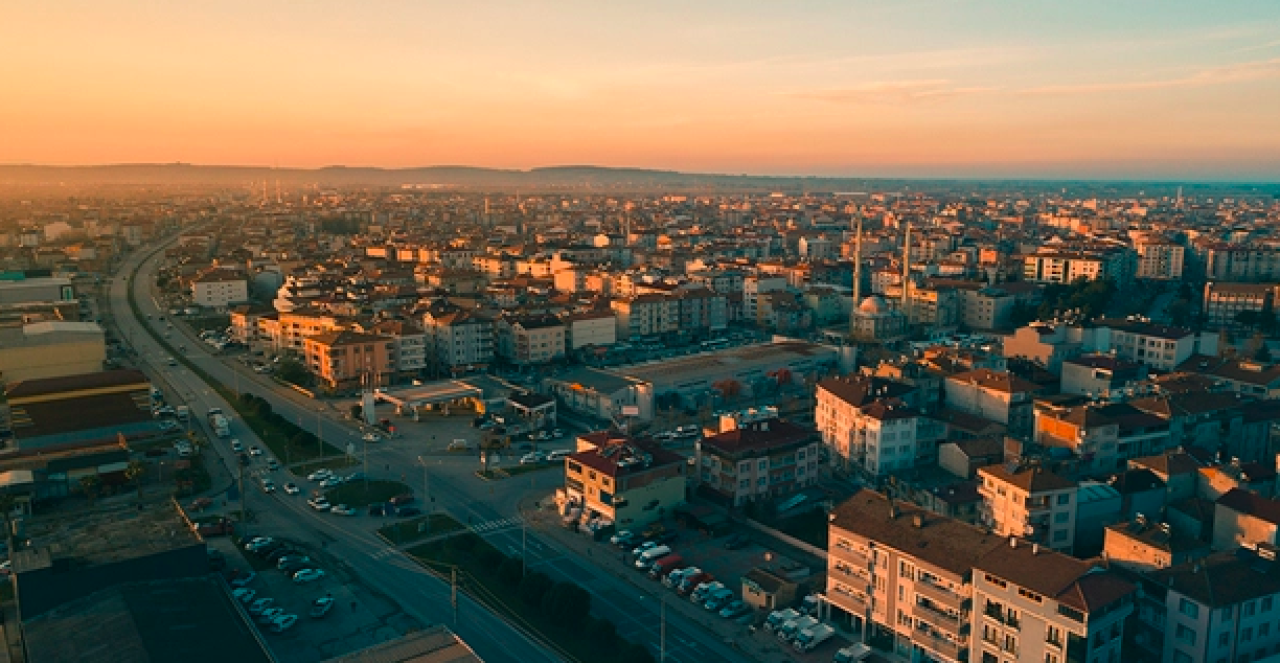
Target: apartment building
[1246, 264]
[646, 315]
[866, 429]
[1100, 437]
[219, 289]
[702, 311]
[1052, 265]
[288, 331]
[898, 572]
[408, 346]
[529, 340]
[1160, 260]
[941, 590]
[1029, 502]
[456, 339]
[1033, 604]
[1224, 607]
[1100, 375]
[753, 287]
[631, 482]
[1223, 303]
[1158, 346]
[347, 360]
[752, 459]
[998, 396]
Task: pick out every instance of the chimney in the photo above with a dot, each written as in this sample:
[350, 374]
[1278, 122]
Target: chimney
[918, 520]
[1013, 542]
[893, 510]
[1035, 549]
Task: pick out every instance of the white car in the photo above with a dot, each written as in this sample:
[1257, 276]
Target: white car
[319, 475]
[308, 575]
[331, 482]
[533, 458]
[343, 510]
[319, 504]
[255, 451]
[292, 488]
[620, 537]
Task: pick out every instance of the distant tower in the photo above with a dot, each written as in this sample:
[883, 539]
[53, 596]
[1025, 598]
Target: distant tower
[264, 192]
[1179, 197]
[906, 269]
[279, 198]
[486, 206]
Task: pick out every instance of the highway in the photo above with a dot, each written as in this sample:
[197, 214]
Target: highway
[452, 484]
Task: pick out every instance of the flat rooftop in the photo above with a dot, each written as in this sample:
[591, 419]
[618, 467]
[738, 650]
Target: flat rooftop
[114, 530]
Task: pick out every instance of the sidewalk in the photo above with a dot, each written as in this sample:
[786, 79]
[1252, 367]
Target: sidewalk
[762, 646]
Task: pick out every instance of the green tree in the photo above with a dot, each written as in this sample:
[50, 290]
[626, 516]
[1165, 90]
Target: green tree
[534, 587]
[633, 653]
[292, 371]
[134, 472]
[602, 633]
[567, 603]
[510, 570]
[1180, 312]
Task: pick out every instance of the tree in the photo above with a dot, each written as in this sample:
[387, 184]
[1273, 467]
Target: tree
[90, 484]
[633, 653]
[134, 472]
[510, 570]
[292, 371]
[1180, 312]
[534, 587]
[1248, 319]
[602, 633]
[567, 603]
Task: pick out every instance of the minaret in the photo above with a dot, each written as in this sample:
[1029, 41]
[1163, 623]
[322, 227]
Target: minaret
[857, 277]
[906, 270]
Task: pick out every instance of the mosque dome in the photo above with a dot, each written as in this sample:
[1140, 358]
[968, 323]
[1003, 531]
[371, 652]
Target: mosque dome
[873, 305]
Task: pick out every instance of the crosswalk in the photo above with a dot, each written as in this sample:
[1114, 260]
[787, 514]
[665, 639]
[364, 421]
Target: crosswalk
[496, 525]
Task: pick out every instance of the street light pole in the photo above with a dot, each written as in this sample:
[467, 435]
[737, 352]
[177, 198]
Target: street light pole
[662, 633]
[426, 485]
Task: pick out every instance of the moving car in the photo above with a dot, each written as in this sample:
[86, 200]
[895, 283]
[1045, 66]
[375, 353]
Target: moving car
[319, 504]
[342, 510]
[533, 458]
[319, 475]
[308, 575]
[331, 482]
[292, 488]
[237, 446]
[255, 451]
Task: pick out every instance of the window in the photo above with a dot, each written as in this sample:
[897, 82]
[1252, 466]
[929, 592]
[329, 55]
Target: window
[1223, 639]
[1247, 634]
[1189, 609]
[1062, 517]
[1186, 635]
[1266, 604]
[1064, 499]
[1249, 608]
[1054, 636]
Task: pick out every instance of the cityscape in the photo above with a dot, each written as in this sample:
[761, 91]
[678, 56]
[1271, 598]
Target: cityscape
[673, 335]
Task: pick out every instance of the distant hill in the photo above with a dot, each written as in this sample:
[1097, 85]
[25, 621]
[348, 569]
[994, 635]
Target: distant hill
[580, 178]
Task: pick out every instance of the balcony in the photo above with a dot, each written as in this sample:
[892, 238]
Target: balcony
[850, 555]
[848, 601]
[937, 618]
[936, 643]
[939, 595]
[1041, 505]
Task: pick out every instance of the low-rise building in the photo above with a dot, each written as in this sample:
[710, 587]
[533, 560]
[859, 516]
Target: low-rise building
[51, 349]
[629, 481]
[1001, 397]
[219, 289]
[1029, 502]
[754, 460]
[347, 360]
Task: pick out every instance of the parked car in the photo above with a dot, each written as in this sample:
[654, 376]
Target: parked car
[283, 623]
[255, 451]
[273, 465]
[260, 542]
[342, 510]
[319, 504]
[735, 609]
[237, 446]
[308, 575]
[402, 499]
[260, 605]
[319, 475]
[533, 458]
[295, 558]
[623, 538]
[331, 482]
[292, 488]
[321, 606]
[269, 615]
[282, 551]
[244, 580]
[244, 594]
[295, 566]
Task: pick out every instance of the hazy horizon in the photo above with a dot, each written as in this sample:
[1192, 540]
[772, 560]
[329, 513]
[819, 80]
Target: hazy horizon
[931, 89]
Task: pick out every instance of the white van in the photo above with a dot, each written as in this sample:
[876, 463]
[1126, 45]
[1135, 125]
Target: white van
[648, 557]
[559, 454]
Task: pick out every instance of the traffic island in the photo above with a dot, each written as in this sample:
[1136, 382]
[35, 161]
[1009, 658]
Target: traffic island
[360, 493]
[409, 531]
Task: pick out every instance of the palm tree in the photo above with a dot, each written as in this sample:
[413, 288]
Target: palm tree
[90, 485]
[134, 473]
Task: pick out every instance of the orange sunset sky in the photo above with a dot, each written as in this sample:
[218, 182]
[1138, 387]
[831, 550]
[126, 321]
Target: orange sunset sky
[1009, 88]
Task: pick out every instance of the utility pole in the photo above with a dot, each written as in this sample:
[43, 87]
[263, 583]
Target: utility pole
[662, 633]
[319, 437]
[453, 593]
[524, 546]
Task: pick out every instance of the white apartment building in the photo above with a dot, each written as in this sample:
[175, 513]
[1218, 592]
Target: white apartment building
[1057, 266]
[1029, 502]
[218, 290]
[875, 434]
[1233, 262]
[594, 328]
[408, 346]
[531, 340]
[753, 287]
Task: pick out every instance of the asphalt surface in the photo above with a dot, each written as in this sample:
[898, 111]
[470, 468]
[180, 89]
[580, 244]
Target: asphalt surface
[492, 507]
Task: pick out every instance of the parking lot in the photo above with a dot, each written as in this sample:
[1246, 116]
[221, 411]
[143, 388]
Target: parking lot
[357, 619]
[728, 566]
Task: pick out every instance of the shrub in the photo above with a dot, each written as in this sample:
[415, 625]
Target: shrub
[533, 587]
[510, 570]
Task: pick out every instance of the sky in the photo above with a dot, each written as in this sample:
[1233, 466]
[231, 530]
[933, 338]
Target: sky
[1161, 89]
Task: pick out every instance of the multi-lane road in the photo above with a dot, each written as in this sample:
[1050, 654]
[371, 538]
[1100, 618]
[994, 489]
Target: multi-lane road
[493, 507]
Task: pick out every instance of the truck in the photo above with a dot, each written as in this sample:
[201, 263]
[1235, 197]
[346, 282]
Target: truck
[648, 557]
[221, 427]
[690, 582]
[793, 628]
[854, 653]
[813, 636]
[779, 617]
[665, 565]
